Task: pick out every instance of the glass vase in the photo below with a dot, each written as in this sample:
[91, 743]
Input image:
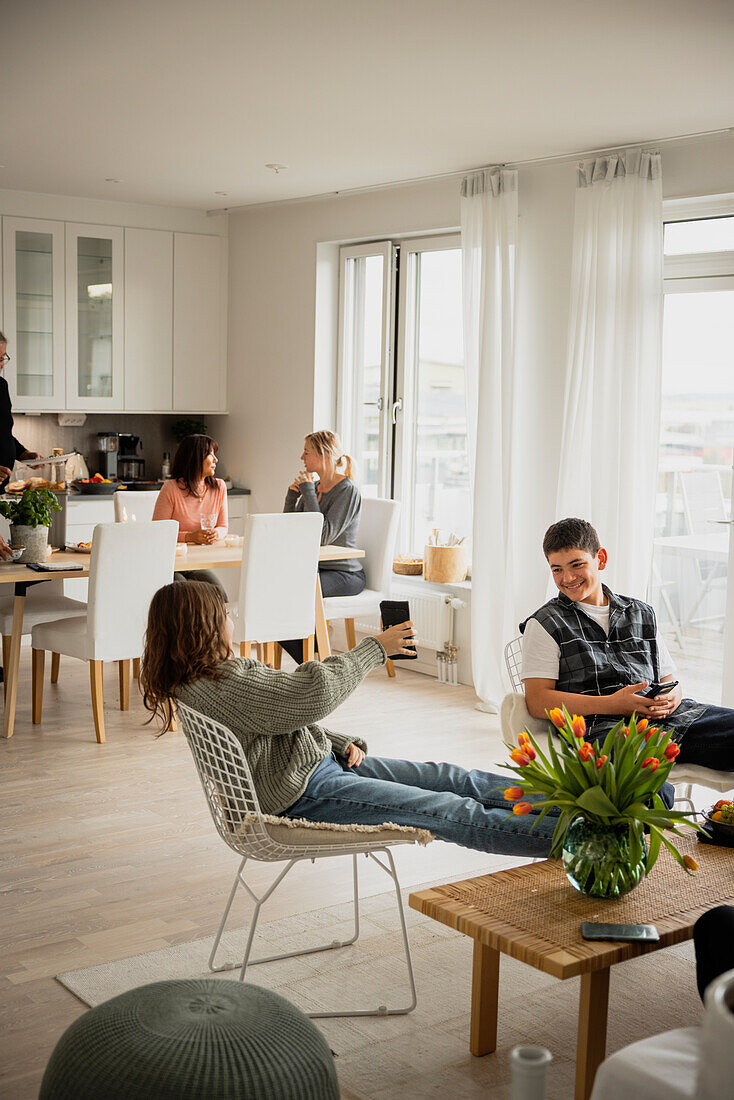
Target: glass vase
[598, 859]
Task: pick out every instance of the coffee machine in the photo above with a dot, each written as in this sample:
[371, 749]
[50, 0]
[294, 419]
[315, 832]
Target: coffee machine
[130, 467]
[108, 445]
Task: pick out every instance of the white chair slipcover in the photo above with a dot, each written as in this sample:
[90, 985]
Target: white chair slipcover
[277, 588]
[136, 506]
[129, 563]
[378, 530]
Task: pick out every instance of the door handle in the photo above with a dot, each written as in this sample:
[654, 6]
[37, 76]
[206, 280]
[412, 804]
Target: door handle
[379, 403]
[397, 406]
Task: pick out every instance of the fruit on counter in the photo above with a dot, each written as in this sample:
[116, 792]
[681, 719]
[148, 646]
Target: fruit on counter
[723, 811]
[84, 545]
[97, 480]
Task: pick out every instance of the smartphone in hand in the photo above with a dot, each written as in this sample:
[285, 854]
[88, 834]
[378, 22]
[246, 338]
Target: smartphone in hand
[394, 612]
[658, 689]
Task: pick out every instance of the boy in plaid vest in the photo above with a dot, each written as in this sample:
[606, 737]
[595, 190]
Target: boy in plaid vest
[595, 652]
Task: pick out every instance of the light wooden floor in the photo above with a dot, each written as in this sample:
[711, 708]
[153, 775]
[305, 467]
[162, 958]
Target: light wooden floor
[109, 850]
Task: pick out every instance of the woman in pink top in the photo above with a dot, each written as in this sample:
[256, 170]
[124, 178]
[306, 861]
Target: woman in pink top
[195, 498]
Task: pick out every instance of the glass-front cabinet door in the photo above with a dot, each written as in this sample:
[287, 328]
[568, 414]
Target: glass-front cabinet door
[33, 313]
[94, 317]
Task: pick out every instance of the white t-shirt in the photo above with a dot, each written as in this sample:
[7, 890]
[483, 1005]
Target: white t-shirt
[541, 655]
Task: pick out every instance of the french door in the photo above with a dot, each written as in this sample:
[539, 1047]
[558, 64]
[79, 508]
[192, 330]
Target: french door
[402, 407]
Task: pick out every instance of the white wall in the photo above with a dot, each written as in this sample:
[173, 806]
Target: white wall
[273, 260]
[273, 305]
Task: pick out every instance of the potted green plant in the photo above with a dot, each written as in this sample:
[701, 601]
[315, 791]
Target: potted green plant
[30, 518]
[188, 426]
[607, 798]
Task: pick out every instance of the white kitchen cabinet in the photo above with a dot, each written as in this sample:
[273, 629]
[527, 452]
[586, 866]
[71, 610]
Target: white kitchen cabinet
[148, 327]
[95, 296]
[33, 321]
[199, 323]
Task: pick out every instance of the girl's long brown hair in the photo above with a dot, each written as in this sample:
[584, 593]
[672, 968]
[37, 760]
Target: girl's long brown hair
[188, 462]
[186, 639]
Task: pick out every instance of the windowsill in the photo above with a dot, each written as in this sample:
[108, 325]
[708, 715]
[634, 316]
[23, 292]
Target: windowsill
[430, 586]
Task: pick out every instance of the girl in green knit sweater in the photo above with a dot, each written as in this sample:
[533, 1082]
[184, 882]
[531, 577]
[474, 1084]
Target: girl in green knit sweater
[300, 767]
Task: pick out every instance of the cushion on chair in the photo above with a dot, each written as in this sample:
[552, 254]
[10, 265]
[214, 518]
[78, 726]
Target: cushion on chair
[67, 636]
[298, 831]
[39, 610]
[366, 602]
[515, 717]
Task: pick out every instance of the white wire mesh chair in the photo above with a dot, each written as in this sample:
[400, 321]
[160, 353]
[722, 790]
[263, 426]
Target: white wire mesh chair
[230, 793]
[513, 661]
[514, 713]
[682, 776]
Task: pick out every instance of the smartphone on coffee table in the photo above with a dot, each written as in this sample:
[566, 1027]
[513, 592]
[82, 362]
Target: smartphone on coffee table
[394, 612]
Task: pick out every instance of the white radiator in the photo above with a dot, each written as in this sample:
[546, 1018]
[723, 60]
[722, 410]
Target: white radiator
[430, 615]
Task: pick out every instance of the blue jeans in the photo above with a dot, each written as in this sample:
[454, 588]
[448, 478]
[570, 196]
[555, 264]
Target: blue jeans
[709, 740]
[459, 806]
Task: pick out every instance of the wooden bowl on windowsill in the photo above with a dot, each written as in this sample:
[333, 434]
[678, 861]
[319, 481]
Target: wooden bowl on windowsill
[407, 567]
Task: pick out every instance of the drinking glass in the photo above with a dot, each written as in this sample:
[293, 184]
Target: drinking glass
[208, 521]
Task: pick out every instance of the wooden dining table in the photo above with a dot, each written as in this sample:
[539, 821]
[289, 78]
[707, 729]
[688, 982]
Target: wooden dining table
[196, 557]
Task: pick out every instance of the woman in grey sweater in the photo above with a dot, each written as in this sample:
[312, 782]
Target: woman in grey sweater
[301, 768]
[326, 485]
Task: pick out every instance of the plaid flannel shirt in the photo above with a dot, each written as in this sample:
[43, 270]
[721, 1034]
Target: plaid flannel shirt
[593, 663]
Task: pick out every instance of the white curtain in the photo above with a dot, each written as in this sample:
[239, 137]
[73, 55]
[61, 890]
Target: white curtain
[609, 444]
[489, 230]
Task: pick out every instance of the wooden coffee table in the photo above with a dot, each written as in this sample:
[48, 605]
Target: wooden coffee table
[533, 914]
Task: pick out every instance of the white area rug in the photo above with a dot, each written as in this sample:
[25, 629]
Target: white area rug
[424, 1054]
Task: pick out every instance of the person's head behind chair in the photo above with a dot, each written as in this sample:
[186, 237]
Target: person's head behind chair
[188, 636]
[576, 558]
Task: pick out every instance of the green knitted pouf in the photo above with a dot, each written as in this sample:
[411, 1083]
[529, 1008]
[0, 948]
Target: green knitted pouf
[192, 1040]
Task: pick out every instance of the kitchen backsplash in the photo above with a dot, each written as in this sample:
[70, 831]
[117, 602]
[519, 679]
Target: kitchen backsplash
[42, 433]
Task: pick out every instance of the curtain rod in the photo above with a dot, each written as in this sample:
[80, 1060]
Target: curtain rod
[553, 157]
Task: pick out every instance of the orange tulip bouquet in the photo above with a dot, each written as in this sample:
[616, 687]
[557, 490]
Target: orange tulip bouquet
[607, 795]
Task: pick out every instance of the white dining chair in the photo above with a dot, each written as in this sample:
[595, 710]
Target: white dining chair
[129, 563]
[233, 803]
[277, 588]
[378, 530]
[134, 507]
[43, 603]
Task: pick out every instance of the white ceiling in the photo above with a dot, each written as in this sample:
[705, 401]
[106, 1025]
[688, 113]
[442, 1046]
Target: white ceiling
[179, 99]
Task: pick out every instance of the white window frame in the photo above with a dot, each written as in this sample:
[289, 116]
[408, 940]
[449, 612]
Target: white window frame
[403, 410]
[699, 272]
[348, 335]
[697, 265]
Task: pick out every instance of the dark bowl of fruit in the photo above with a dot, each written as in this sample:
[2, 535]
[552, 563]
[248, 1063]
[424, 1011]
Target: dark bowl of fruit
[96, 486]
[721, 818]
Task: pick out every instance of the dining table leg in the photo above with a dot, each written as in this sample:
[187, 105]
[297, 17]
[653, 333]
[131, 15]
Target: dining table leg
[13, 665]
[322, 629]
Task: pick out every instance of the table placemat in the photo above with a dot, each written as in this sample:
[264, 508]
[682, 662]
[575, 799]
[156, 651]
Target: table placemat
[539, 899]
